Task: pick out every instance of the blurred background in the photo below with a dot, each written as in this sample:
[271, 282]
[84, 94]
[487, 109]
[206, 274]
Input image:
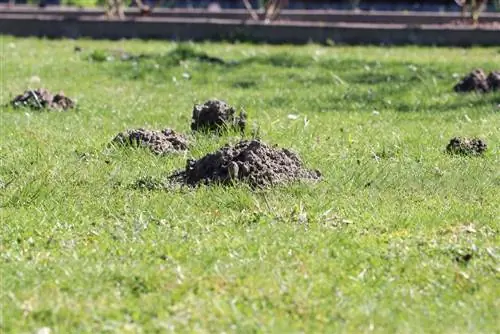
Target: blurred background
[401, 5]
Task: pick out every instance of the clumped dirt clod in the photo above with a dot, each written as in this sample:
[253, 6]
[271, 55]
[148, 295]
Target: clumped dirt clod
[159, 142]
[475, 81]
[466, 146]
[42, 99]
[249, 161]
[215, 116]
[493, 80]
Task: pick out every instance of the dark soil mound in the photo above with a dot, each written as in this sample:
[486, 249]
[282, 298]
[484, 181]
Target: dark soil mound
[249, 161]
[493, 80]
[42, 99]
[466, 146]
[475, 81]
[159, 142]
[215, 116]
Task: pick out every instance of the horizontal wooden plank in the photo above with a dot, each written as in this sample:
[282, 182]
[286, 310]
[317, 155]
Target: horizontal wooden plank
[331, 16]
[197, 29]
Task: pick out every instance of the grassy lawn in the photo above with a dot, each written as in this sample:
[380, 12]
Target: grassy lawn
[397, 237]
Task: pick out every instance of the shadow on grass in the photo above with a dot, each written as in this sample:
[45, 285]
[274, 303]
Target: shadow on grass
[323, 84]
[173, 58]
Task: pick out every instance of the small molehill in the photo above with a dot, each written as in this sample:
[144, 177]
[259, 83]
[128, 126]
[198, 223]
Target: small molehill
[466, 146]
[493, 80]
[249, 161]
[474, 81]
[216, 116]
[42, 99]
[159, 142]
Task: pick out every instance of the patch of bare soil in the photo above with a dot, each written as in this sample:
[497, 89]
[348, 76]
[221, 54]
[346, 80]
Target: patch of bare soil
[474, 81]
[159, 142]
[249, 161]
[466, 146]
[216, 116]
[493, 80]
[42, 99]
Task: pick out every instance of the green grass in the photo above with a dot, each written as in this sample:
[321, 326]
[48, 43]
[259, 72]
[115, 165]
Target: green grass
[373, 247]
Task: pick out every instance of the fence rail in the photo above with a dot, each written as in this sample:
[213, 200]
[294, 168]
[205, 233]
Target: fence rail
[216, 29]
[331, 16]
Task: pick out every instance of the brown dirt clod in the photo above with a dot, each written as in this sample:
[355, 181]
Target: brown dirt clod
[466, 146]
[159, 142]
[493, 80]
[249, 161]
[42, 99]
[215, 116]
[474, 81]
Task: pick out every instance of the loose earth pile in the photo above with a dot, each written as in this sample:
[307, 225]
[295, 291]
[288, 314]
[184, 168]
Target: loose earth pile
[479, 82]
[466, 146]
[216, 116]
[42, 99]
[249, 161]
[493, 80]
[159, 142]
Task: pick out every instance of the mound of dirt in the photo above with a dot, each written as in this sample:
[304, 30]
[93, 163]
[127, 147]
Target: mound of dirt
[42, 99]
[493, 80]
[475, 81]
[466, 146]
[159, 142]
[216, 116]
[249, 161]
